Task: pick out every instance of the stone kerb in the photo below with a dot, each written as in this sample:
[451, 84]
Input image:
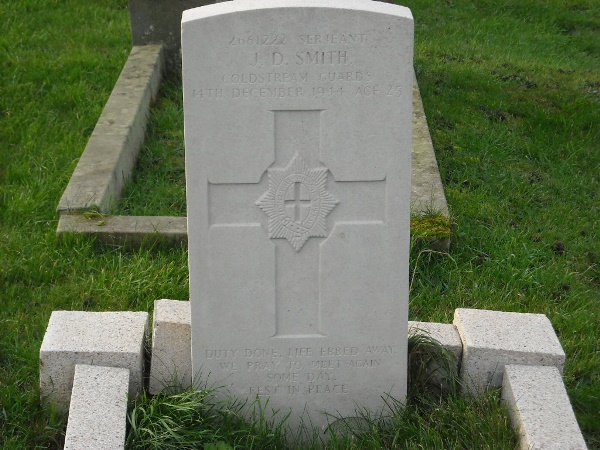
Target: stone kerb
[493, 339]
[447, 335]
[427, 189]
[130, 231]
[537, 400]
[112, 339]
[98, 410]
[171, 366]
[540, 409]
[538, 403]
[112, 150]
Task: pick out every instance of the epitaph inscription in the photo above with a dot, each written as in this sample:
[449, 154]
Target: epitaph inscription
[298, 148]
[311, 371]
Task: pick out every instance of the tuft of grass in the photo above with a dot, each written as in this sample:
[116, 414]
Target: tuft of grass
[435, 225]
[451, 424]
[195, 419]
[432, 369]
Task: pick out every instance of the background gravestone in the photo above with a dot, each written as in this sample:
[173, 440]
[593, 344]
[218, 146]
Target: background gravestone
[298, 150]
[158, 22]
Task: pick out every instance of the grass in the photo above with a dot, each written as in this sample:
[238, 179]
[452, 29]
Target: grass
[511, 92]
[433, 417]
[157, 187]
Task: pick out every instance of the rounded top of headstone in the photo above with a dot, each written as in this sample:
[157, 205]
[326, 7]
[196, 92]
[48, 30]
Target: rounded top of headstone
[247, 5]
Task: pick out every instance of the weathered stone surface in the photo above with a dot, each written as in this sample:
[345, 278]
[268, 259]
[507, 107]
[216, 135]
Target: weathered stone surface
[112, 150]
[130, 231]
[540, 409]
[298, 149]
[159, 22]
[171, 366]
[427, 195]
[98, 412]
[492, 339]
[112, 339]
[427, 190]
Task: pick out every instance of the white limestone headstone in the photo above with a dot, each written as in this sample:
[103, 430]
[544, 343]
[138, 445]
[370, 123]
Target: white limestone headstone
[298, 151]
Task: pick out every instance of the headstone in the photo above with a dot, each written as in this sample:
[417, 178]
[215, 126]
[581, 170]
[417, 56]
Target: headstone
[298, 151]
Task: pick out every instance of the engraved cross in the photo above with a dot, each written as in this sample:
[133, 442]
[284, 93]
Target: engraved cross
[300, 195]
[297, 200]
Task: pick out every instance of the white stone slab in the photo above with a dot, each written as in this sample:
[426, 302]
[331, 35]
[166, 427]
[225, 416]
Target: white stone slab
[171, 366]
[298, 151]
[112, 339]
[98, 412]
[492, 339]
[540, 409]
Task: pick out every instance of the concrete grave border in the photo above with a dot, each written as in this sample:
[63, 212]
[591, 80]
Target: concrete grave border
[532, 385]
[98, 412]
[110, 155]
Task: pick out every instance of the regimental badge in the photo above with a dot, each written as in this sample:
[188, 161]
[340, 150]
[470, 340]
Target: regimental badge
[297, 203]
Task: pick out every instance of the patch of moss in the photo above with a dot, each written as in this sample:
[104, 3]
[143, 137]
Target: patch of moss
[430, 226]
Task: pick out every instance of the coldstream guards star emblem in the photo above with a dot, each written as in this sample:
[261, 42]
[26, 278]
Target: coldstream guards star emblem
[297, 203]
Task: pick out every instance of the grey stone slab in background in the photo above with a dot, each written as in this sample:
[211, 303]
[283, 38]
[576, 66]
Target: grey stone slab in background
[112, 150]
[98, 412]
[131, 231]
[427, 189]
[298, 153]
[540, 409]
[159, 22]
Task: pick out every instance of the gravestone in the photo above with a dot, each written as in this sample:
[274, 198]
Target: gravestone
[298, 151]
[158, 22]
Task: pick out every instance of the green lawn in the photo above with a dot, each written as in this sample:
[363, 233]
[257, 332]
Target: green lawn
[512, 95]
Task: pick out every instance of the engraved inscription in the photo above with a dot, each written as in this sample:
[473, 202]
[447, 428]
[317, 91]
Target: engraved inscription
[265, 78]
[264, 92]
[332, 58]
[302, 370]
[207, 93]
[343, 38]
[281, 66]
[297, 203]
[304, 58]
[258, 39]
